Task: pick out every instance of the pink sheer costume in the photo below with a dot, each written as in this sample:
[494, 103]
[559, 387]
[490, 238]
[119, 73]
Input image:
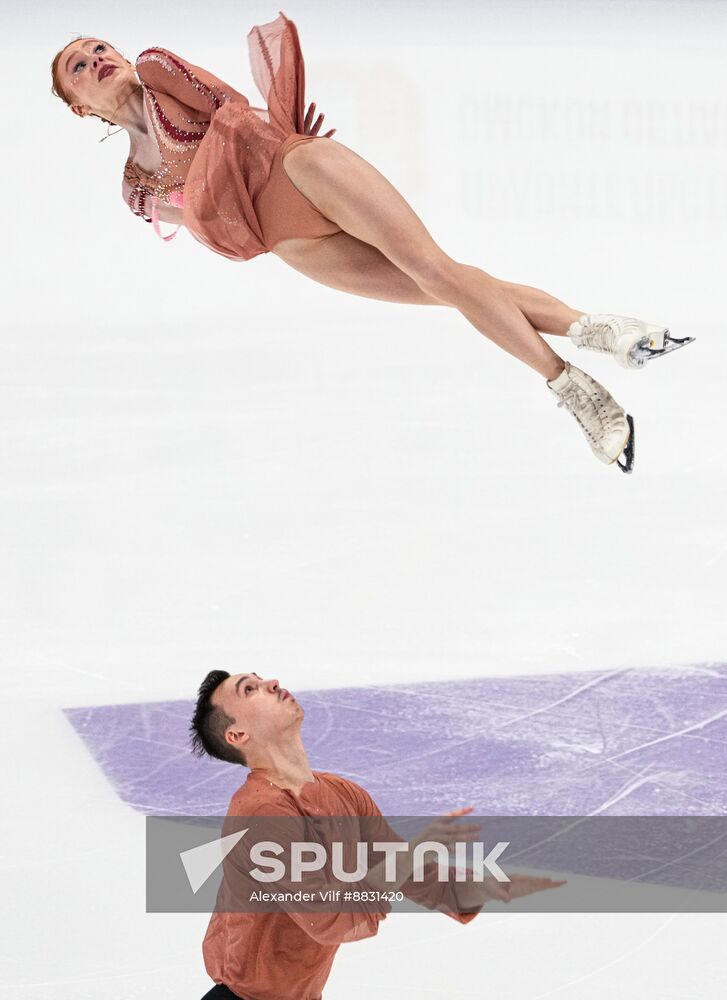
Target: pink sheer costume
[222, 158]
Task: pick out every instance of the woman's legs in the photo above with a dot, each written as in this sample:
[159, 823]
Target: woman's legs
[489, 308]
[350, 265]
[384, 252]
[343, 262]
[352, 193]
[546, 313]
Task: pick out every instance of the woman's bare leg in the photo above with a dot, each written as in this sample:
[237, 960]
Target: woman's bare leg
[348, 264]
[352, 193]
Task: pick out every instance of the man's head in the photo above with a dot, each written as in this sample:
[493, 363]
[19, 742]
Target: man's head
[238, 716]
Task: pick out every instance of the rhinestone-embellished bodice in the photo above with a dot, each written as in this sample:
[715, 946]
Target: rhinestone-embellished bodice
[181, 100]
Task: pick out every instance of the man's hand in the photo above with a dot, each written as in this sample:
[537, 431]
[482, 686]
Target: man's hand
[518, 886]
[448, 830]
[314, 130]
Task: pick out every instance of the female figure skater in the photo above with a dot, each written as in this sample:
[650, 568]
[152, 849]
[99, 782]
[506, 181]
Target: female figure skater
[246, 181]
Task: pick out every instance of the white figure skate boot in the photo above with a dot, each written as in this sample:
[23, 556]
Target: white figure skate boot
[608, 428]
[631, 341]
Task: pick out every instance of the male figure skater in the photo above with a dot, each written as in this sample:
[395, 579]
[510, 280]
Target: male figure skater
[284, 955]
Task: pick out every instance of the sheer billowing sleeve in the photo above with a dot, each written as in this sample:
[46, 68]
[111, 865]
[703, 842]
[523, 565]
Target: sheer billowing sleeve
[430, 892]
[279, 73]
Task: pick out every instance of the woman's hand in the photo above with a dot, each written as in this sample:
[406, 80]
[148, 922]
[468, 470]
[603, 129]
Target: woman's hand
[313, 130]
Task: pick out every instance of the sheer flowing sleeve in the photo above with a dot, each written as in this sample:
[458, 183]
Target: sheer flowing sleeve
[278, 71]
[430, 892]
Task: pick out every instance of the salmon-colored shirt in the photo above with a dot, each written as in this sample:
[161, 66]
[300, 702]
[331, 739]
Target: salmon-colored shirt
[288, 955]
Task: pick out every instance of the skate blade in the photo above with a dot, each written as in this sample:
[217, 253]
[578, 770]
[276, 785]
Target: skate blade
[628, 454]
[656, 346]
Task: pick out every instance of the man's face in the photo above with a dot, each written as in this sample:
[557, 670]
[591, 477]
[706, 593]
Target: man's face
[261, 709]
[95, 76]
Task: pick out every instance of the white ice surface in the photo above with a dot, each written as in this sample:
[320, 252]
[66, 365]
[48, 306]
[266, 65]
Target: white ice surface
[209, 464]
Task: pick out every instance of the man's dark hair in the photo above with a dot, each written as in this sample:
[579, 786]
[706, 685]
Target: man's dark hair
[210, 722]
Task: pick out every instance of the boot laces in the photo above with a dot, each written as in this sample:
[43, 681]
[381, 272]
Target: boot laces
[588, 408]
[599, 335]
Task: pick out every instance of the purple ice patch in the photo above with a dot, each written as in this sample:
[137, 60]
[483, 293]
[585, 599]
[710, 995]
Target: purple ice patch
[623, 742]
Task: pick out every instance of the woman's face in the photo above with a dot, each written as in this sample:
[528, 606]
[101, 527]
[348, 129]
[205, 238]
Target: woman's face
[96, 77]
